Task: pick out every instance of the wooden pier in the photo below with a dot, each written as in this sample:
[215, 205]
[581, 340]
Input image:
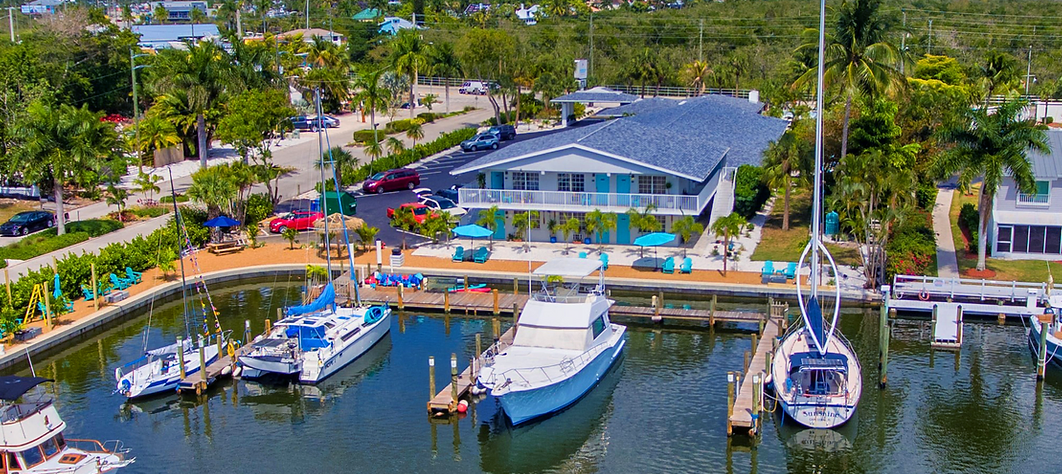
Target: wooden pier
[445, 402]
[749, 399]
[199, 381]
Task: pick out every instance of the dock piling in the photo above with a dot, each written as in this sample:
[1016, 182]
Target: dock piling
[202, 364]
[757, 404]
[516, 318]
[729, 402]
[401, 304]
[446, 302]
[479, 346]
[1041, 357]
[95, 288]
[495, 328]
[453, 378]
[494, 292]
[246, 331]
[431, 377]
[711, 312]
[745, 367]
[180, 359]
[268, 326]
[47, 308]
[516, 286]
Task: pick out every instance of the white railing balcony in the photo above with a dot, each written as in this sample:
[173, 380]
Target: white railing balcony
[1034, 199]
[579, 202]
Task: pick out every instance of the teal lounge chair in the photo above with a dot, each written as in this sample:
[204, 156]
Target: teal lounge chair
[669, 265]
[687, 265]
[134, 276]
[768, 269]
[582, 254]
[604, 260]
[790, 270]
[481, 255]
[120, 283]
[459, 254]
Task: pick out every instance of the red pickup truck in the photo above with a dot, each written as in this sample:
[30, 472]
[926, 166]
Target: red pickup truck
[420, 211]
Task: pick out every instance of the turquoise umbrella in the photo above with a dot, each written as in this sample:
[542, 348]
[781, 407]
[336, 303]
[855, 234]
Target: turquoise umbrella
[654, 239]
[472, 231]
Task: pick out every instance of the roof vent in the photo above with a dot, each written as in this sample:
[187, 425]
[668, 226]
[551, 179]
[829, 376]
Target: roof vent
[754, 96]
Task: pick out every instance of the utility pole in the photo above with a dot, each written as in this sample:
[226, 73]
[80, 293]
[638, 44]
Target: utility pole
[700, 42]
[1028, 73]
[239, 21]
[11, 22]
[308, 14]
[591, 71]
[136, 109]
[903, 42]
[929, 50]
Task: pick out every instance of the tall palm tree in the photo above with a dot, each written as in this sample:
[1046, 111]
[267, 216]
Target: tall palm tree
[698, 73]
[992, 145]
[215, 188]
[409, 56]
[728, 226]
[203, 73]
[859, 58]
[64, 145]
[782, 159]
[444, 62]
[371, 95]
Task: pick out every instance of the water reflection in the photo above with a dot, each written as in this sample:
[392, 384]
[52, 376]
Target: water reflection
[574, 440]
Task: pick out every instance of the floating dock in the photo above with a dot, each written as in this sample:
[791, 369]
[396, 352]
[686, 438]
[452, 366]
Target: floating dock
[947, 326]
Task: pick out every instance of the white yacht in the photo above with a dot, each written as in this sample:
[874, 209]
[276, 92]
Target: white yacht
[315, 340]
[564, 344]
[32, 437]
[159, 370]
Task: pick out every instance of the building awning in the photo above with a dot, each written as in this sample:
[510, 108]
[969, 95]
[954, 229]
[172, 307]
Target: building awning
[1030, 217]
[596, 94]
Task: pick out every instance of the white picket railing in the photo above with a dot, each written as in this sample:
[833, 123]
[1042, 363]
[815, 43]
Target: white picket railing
[574, 201]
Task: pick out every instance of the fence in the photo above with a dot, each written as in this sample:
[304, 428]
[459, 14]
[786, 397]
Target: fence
[648, 90]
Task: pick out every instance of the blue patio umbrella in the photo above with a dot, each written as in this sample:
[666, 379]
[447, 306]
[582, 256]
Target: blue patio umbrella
[654, 239]
[472, 231]
[222, 221]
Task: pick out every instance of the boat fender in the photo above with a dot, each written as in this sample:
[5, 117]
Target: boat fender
[226, 370]
[923, 295]
[462, 406]
[236, 373]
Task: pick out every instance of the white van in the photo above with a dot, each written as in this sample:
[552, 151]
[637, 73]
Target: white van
[473, 87]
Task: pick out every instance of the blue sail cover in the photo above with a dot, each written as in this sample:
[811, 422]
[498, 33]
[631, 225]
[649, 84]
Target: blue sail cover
[815, 324]
[328, 296]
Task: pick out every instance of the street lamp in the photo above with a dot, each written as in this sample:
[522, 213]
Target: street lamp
[136, 105]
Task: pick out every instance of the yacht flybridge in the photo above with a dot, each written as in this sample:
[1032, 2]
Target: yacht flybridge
[564, 344]
[32, 436]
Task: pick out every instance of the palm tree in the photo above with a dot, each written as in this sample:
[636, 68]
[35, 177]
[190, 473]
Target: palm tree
[366, 234]
[998, 73]
[698, 73]
[146, 183]
[415, 132]
[65, 145]
[342, 162]
[859, 58]
[444, 62]
[782, 159]
[686, 228]
[203, 73]
[374, 150]
[156, 134]
[215, 188]
[599, 223]
[116, 197]
[488, 219]
[409, 56]
[728, 226]
[992, 145]
[372, 96]
[394, 147]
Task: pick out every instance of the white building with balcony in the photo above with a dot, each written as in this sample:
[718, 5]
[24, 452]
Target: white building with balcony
[1029, 225]
[676, 157]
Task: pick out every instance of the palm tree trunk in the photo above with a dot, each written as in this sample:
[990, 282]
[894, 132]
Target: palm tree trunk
[785, 211]
[844, 129]
[726, 247]
[516, 123]
[200, 125]
[446, 87]
[413, 96]
[982, 225]
[60, 214]
[375, 137]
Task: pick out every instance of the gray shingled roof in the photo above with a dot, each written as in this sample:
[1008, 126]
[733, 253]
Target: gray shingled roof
[597, 94]
[1049, 166]
[687, 138]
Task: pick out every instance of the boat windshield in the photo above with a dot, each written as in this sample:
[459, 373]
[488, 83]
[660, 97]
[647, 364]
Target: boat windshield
[819, 381]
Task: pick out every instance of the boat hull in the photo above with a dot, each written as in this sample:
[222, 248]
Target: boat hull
[527, 405]
[820, 416]
[1054, 344]
[260, 366]
[149, 379]
[814, 410]
[316, 371]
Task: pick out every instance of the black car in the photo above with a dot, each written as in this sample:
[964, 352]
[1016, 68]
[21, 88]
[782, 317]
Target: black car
[449, 193]
[26, 222]
[505, 132]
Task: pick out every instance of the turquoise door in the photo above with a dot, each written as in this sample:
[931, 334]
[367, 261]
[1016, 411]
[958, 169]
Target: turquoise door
[497, 180]
[623, 184]
[602, 187]
[623, 229]
[499, 217]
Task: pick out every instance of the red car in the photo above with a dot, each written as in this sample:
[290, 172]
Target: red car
[298, 220]
[420, 211]
[403, 178]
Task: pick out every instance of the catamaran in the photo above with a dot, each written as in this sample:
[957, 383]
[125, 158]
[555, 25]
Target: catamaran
[160, 370]
[564, 344]
[317, 339]
[31, 436]
[815, 372]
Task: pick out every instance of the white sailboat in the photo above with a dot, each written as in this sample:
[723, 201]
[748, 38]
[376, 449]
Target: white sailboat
[564, 344]
[32, 441]
[815, 372]
[317, 339]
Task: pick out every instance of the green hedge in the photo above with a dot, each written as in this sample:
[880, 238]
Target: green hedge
[970, 220]
[412, 155]
[912, 247]
[48, 241]
[429, 117]
[399, 126]
[926, 195]
[749, 191]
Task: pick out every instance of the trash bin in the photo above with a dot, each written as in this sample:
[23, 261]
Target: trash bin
[833, 223]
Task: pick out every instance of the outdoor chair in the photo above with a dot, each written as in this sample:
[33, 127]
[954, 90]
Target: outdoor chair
[790, 270]
[669, 265]
[481, 255]
[120, 283]
[604, 260]
[136, 277]
[582, 254]
[768, 269]
[687, 265]
[459, 254]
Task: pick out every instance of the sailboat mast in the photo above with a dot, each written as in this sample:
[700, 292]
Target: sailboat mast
[816, 206]
[324, 205]
[180, 257]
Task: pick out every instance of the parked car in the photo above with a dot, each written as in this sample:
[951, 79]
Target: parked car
[473, 87]
[449, 193]
[441, 204]
[420, 211]
[505, 132]
[298, 220]
[303, 122]
[328, 121]
[482, 141]
[26, 222]
[391, 180]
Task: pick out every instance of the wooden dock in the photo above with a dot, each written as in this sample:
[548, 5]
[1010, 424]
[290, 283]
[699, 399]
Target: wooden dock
[199, 381]
[445, 402]
[745, 402]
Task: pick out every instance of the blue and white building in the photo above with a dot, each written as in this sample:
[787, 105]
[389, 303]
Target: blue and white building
[1029, 225]
[677, 155]
[158, 37]
[391, 24]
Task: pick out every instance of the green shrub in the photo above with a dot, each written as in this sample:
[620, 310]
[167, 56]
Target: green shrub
[365, 136]
[402, 125]
[969, 221]
[911, 248]
[40, 244]
[428, 117]
[259, 208]
[749, 191]
[150, 211]
[411, 155]
[169, 199]
[92, 227]
[926, 195]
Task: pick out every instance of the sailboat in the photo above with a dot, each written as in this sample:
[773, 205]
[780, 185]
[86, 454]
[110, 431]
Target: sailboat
[815, 372]
[161, 370]
[317, 339]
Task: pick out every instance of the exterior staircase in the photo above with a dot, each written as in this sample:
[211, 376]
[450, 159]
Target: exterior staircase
[723, 203]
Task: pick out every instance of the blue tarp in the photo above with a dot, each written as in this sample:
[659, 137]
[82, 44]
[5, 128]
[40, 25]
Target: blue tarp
[328, 296]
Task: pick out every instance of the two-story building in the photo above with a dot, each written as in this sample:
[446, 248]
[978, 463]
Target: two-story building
[1029, 225]
[675, 158]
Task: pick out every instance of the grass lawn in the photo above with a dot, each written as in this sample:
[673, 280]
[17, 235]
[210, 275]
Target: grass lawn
[777, 245]
[10, 207]
[1006, 270]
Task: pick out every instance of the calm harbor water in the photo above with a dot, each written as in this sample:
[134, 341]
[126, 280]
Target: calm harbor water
[661, 410]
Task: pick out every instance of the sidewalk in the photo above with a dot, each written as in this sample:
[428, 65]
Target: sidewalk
[947, 260]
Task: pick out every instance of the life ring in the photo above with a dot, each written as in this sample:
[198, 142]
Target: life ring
[923, 295]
